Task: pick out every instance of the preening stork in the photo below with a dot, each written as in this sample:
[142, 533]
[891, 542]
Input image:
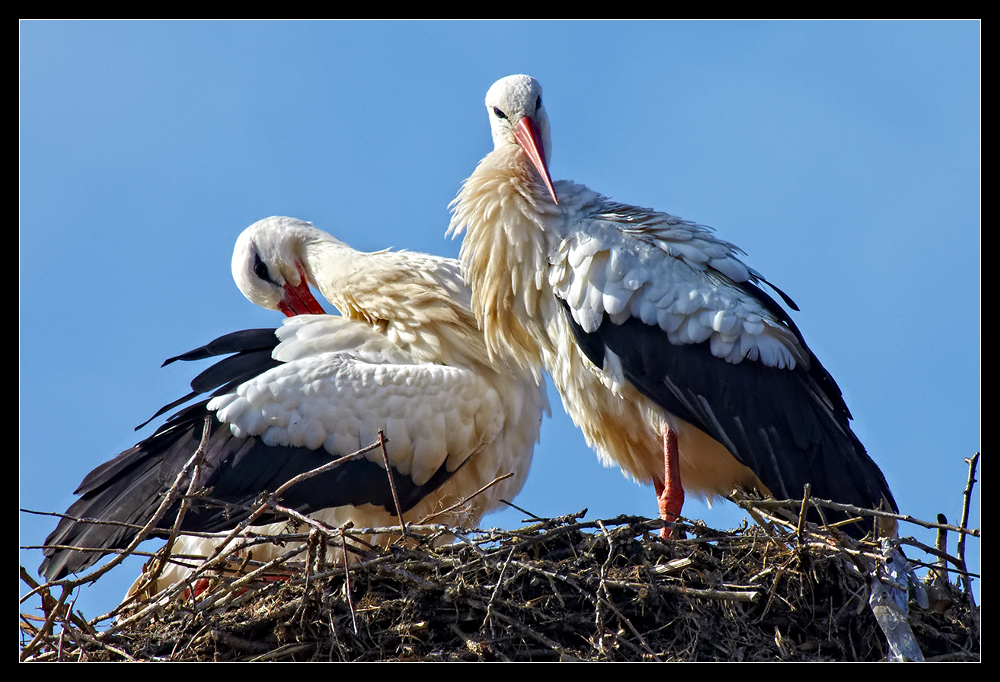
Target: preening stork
[405, 357]
[664, 346]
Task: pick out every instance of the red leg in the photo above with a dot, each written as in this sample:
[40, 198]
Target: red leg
[670, 494]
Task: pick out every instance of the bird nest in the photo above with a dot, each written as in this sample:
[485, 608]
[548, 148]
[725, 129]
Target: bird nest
[558, 589]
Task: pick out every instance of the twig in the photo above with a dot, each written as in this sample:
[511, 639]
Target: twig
[69, 584]
[803, 508]
[496, 588]
[271, 501]
[967, 503]
[752, 504]
[465, 500]
[160, 562]
[941, 543]
[347, 582]
[392, 482]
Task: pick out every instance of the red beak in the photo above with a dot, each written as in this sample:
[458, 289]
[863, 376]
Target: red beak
[528, 139]
[299, 300]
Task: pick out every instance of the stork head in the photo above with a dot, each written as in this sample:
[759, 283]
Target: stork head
[514, 105]
[268, 267]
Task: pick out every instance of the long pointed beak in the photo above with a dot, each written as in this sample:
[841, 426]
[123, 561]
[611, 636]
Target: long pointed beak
[526, 134]
[299, 300]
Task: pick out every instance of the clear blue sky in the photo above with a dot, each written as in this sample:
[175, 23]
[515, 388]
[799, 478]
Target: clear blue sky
[843, 157]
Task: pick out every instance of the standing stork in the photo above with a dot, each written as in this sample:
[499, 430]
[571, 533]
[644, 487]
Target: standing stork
[406, 357]
[665, 348]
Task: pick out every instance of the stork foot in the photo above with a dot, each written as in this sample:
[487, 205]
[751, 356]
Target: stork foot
[670, 503]
[202, 586]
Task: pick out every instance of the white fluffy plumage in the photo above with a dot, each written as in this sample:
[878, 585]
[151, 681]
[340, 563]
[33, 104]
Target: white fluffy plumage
[650, 326]
[406, 357]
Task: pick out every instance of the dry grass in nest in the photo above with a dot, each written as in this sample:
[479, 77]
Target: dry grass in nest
[555, 590]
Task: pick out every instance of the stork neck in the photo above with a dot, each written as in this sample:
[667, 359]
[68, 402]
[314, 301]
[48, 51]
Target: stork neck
[511, 224]
[373, 287]
[331, 265]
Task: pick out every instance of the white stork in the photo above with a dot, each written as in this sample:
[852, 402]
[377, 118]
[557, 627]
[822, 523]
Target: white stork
[665, 348]
[406, 357]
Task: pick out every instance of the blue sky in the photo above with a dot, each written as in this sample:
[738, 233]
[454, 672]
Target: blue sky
[843, 157]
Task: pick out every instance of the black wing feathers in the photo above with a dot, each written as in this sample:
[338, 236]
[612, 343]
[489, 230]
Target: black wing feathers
[252, 348]
[235, 472]
[790, 427]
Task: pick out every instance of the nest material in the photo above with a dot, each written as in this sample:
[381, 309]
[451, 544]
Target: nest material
[556, 590]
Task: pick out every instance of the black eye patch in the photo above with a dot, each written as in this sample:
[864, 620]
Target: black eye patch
[498, 113]
[260, 269]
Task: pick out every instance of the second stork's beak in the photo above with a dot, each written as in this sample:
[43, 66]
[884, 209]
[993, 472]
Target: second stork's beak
[526, 134]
